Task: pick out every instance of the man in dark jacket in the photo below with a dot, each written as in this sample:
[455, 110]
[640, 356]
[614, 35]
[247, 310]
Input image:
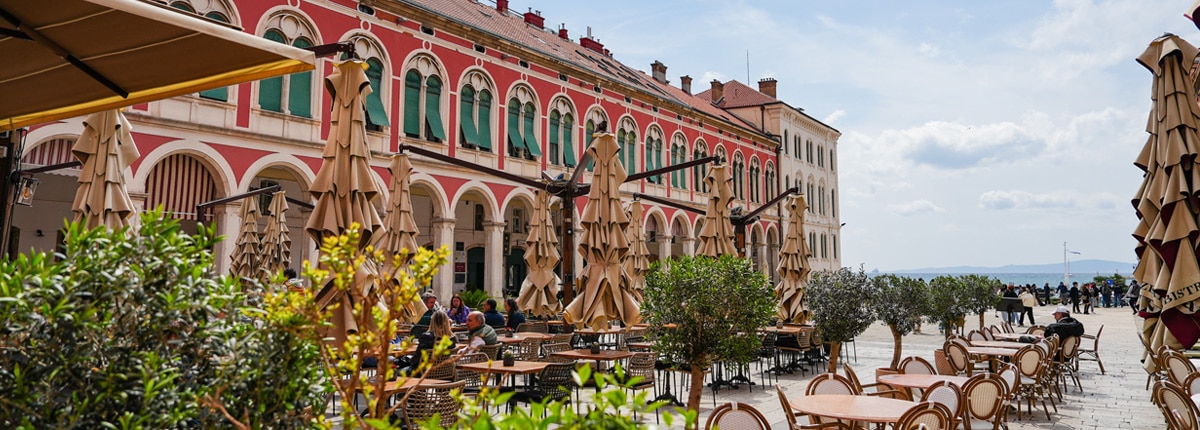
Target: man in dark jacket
[1066, 326]
[491, 316]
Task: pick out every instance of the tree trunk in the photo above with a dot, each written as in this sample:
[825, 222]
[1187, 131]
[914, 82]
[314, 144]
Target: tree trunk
[835, 350]
[895, 348]
[697, 391]
[981, 319]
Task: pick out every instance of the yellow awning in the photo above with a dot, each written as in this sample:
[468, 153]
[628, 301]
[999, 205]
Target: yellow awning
[147, 50]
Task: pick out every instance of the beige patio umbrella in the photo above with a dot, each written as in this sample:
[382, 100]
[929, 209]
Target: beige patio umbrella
[605, 294]
[539, 292]
[1168, 202]
[716, 236]
[276, 250]
[106, 149]
[638, 262]
[245, 261]
[400, 235]
[344, 188]
[793, 265]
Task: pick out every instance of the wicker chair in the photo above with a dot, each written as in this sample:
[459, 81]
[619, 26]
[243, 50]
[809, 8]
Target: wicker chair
[916, 365]
[975, 335]
[432, 399]
[1031, 367]
[533, 327]
[925, 416]
[985, 396]
[960, 360]
[1065, 363]
[443, 368]
[830, 383]
[548, 350]
[1178, 367]
[1171, 398]
[491, 351]
[530, 349]
[860, 388]
[1011, 377]
[472, 379]
[560, 338]
[1093, 353]
[554, 382]
[949, 395]
[1036, 330]
[1192, 384]
[737, 415]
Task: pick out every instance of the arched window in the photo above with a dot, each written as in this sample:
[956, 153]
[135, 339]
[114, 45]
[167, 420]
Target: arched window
[820, 156]
[594, 118]
[831, 161]
[678, 156]
[769, 183]
[475, 113]
[824, 246]
[812, 242]
[833, 244]
[739, 176]
[522, 135]
[422, 101]
[755, 181]
[796, 145]
[298, 97]
[562, 131]
[627, 141]
[832, 203]
[821, 196]
[812, 195]
[654, 148]
[809, 151]
[216, 11]
[784, 142]
[699, 172]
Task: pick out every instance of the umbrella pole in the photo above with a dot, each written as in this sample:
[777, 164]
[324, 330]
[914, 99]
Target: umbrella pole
[11, 142]
[568, 249]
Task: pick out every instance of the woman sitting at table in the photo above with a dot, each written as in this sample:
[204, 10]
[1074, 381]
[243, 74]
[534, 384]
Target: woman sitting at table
[515, 317]
[458, 311]
[439, 328]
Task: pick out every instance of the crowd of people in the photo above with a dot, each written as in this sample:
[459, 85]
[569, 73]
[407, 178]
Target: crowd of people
[437, 323]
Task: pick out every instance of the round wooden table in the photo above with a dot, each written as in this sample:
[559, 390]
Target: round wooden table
[994, 352]
[869, 409]
[520, 336]
[909, 380]
[998, 344]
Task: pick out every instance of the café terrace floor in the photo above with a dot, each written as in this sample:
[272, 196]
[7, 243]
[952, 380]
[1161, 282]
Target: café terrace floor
[1115, 400]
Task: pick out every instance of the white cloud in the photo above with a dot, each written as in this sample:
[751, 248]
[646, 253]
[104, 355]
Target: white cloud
[915, 207]
[929, 50]
[833, 117]
[1017, 199]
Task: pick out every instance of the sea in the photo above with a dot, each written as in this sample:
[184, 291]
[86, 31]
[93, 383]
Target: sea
[1038, 279]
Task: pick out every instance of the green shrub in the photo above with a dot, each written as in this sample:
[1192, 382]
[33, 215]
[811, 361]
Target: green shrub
[841, 305]
[473, 299]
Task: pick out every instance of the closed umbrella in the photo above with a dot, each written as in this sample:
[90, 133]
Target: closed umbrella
[793, 265]
[1168, 202]
[638, 262]
[539, 292]
[716, 237]
[106, 149]
[344, 188]
[276, 254]
[399, 240]
[605, 295]
[245, 260]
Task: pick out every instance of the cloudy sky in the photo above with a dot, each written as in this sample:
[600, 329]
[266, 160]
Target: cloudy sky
[973, 133]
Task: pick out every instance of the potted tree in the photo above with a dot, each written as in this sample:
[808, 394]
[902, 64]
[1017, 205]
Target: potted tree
[979, 294]
[709, 302]
[946, 305]
[899, 302]
[840, 304]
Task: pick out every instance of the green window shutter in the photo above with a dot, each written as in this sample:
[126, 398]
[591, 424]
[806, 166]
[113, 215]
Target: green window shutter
[433, 111]
[589, 128]
[568, 146]
[484, 132]
[552, 139]
[375, 113]
[412, 104]
[221, 94]
[514, 126]
[300, 88]
[466, 113]
[531, 142]
[270, 90]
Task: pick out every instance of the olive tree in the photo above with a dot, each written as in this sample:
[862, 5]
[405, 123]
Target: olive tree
[716, 307]
[899, 302]
[947, 303]
[840, 301]
[979, 294]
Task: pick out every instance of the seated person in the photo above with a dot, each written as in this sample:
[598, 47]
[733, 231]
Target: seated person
[430, 309]
[491, 316]
[478, 333]
[1066, 326]
[515, 317]
[439, 328]
[458, 311]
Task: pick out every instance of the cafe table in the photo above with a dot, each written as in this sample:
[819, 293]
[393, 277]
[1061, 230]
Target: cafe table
[1013, 336]
[516, 338]
[870, 409]
[915, 380]
[992, 352]
[603, 355]
[998, 344]
[497, 367]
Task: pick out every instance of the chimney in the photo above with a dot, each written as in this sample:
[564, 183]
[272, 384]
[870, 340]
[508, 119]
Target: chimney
[534, 18]
[685, 83]
[718, 91]
[767, 86]
[562, 32]
[502, 6]
[659, 71]
[590, 43]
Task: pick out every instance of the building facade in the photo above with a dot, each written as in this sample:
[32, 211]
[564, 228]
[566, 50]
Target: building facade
[471, 80]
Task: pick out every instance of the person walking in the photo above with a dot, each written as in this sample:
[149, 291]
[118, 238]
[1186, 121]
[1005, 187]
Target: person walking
[1029, 301]
[1073, 294]
[1106, 292]
[1062, 293]
[1046, 294]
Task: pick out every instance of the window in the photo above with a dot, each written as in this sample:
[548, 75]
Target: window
[561, 144]
[739, 176]
[831, 160]
[833, 244]
[627, 141]
[475, 113]
[796, 145]
[824, 247]
[594, 118]
[833, 203]
[821, 197]
[216, 11]
[812, 242]
[755, 182]
[820, 156]
[812, 195]
[784, 142]
[654, 149]
[298, 97]
[699, 172]
[809, 151]
[422, 101]
[522, 135]
[678, 156]
[769, 183]
[478, 217]
[518, 220]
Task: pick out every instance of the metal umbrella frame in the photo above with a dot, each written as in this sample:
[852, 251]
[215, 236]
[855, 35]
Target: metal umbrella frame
[539, 291]
[793, 267]
[1168, 201]
[245, 261]
[605, 294]
[105, 149]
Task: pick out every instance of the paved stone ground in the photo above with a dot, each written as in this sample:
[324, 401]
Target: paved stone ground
[1115, 400]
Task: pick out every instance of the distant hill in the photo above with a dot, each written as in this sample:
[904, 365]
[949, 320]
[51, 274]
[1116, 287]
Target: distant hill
[1103, 267]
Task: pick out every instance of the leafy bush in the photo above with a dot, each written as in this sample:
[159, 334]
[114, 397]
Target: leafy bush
[947, 303]
[473, 299]
[130, 329]
[709, 301]
[841, 305]
[899, 302]
[979, 294]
